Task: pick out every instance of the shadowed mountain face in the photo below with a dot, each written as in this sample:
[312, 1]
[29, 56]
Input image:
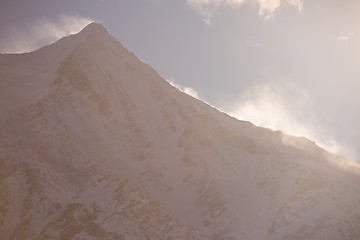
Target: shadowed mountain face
[94, 144]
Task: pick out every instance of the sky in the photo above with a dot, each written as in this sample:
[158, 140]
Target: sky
[291, 65]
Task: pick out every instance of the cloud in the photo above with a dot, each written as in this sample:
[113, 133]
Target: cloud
[206, 8]
[191, 92]
[284, 107]
[188, 90]
[266, 8]
[344, 37]
[43, 31]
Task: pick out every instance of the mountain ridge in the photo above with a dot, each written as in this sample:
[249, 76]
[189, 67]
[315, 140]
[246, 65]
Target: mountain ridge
[112, 150]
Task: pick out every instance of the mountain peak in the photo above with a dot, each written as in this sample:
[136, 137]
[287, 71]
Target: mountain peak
[94, 27]
[93, 30]
[95, 144]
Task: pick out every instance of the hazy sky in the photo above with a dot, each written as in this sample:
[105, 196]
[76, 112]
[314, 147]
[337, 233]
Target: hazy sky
[286, 64]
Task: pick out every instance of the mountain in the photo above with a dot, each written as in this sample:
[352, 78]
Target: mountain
[94, 144]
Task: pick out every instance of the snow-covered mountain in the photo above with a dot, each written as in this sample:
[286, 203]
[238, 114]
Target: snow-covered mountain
[94, 144]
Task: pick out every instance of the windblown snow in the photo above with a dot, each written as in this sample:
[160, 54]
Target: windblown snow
[94, 144]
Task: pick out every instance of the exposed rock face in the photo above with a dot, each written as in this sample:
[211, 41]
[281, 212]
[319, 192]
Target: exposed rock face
[94, 144]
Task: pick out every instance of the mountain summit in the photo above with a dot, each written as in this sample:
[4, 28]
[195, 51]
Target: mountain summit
[94, 144]
[94, 27]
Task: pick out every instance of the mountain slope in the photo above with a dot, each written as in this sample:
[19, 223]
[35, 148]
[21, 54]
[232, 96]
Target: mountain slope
[94, 144]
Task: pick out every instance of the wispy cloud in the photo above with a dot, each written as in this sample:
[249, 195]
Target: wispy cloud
[188, 90]
[345, 37]
[42, 32]
[206, 8]
[266, 8]
[284, 107]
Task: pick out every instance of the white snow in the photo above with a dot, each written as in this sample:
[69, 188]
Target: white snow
[103, 147]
